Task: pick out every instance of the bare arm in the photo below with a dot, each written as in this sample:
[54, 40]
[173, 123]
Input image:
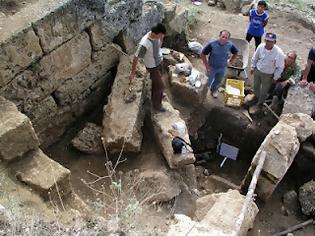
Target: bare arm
[266, 22]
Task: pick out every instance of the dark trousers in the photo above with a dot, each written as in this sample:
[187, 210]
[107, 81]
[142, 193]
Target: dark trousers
[157, 87]
[279, 90]
[257, 39]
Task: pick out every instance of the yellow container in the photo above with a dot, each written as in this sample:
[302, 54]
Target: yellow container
[234, 92]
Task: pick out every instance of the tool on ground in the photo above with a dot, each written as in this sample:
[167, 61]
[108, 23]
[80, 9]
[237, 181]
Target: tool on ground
[272, 112]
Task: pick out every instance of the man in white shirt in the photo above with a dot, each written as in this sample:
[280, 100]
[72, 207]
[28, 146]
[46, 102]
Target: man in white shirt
[149, 51]
[267, 66]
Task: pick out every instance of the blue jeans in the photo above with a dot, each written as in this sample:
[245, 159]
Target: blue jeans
[215, 77]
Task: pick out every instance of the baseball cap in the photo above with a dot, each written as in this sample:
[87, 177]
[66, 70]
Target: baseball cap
[270, 37]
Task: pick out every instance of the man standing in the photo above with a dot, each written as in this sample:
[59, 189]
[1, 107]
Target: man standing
[149, 51]
[267, 66]
[216, 64]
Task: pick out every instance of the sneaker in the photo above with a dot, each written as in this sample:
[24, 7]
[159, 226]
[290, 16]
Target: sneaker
[215, 94]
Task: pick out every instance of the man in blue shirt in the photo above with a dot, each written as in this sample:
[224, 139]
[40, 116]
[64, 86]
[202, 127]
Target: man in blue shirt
[258, 19]
[216, 64]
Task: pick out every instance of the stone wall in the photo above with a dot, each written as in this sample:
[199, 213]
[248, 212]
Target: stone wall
[57, 57]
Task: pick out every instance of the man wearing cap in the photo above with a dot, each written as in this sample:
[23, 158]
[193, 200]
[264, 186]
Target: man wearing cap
[267, 66]
[309, 71]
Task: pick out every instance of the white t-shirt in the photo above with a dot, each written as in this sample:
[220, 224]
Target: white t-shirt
[149, 51]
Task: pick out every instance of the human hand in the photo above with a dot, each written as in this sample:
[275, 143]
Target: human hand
[312, 87]
[284, 83]
[303, 83]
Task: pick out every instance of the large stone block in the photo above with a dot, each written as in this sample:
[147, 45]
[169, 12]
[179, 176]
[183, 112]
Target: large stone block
[17, 135]
[281, 145]
[17, 53]
[72, 89]
[299, 100]
[45, 176]
[152, 13]
[303, 124]
[65, 62]
[185, 92]
[101, 34]
[179, 23]
[33, 85]
[124, 113]
[66, 20]
[225, 211]
[163, 122]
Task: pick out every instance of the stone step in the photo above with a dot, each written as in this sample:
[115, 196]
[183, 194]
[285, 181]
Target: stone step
[163, 123]
[45, 176]
[17, 135]
[124, 112]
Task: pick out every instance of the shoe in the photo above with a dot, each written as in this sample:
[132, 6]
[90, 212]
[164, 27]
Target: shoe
[215, 94]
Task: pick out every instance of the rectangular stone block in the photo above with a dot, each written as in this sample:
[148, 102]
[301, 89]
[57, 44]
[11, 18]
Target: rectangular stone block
[45, 176]
[124, 112]
[162, 123]
[17, 135]
[17, 53]
[65, 62]
[67, 19]
[72, 89]
[225, 211]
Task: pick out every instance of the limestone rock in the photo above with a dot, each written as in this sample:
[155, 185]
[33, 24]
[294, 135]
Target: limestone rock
[225, 211]
[219, 220]
[18, 53]
[17, 135]
[5, 218]
[157, 186]
[152, 13]
[187, 93]
[123, 118]
[179, 23]
[102, 33]
[45, 176]
[281, 146]
[232, 5]
[64, 21]
[299, 100]
[204, 204]
[304, 124]
[307, 198]
[89, 139]
[162, 123]
[103, 60]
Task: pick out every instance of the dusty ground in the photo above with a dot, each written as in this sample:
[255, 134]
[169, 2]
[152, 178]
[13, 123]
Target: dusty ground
[291, 34]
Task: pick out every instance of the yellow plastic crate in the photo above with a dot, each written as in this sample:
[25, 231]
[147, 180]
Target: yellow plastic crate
[231, 99]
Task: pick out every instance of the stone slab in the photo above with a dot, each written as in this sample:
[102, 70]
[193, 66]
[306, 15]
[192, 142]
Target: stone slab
[299, 100]
[16, 54]
[225, 211]
[45, 176]
[102, 61]
[17, 135]
[122, 121]
[162, 123]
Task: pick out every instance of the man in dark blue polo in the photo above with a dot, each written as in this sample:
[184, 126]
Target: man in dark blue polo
[217, 62]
